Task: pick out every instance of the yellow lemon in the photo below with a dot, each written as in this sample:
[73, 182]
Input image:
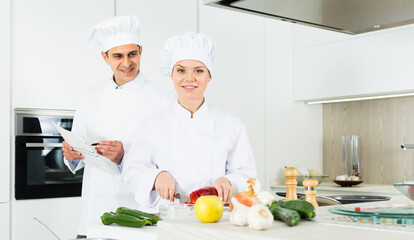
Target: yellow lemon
[208, 209]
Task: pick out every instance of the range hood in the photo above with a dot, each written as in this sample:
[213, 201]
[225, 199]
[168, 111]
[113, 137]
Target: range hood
[346, 16]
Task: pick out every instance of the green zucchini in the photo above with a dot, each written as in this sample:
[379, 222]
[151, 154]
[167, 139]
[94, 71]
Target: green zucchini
[136, 213]
[123, 220]
[291, 217]
[305, 209]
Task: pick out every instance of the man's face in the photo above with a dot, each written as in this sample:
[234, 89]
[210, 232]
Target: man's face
[125, 62]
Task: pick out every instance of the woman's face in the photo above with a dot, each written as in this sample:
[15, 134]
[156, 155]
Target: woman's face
[190, 78]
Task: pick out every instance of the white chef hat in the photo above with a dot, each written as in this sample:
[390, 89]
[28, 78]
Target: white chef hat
[116, 31]
[195, 46]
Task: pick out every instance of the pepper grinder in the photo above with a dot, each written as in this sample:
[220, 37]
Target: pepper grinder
[310, 191]
[291, 173]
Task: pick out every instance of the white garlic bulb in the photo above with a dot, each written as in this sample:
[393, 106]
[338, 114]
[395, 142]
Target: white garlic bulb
[354, 178]
[238, 215]
[259, 217]
[341, 177]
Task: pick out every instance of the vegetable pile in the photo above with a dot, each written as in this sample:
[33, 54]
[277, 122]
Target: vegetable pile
[292, 211]
[247, 209]
[129, 218]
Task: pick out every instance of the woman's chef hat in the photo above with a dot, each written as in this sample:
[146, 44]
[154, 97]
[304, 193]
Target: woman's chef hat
[191, 45]
[116, 31]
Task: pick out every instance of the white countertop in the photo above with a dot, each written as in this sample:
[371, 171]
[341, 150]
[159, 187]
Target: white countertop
[191, 228]
[98, 230]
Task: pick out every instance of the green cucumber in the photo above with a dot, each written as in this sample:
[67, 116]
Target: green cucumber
[305, 209]
[291, 217]
[136, 213]
[123, 220]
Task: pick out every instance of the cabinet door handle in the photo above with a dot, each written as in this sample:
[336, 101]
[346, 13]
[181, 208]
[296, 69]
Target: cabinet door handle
[29, 145]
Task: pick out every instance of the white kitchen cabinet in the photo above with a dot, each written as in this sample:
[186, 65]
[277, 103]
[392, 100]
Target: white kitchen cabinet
[159, 19]
[306, 36]
[4, 221]
[361, 65]
[5, 102]
[61, 215]
[53, 63]
[238, 81]
[293, 129]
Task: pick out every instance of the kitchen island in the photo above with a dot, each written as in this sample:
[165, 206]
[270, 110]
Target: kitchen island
[191, 228]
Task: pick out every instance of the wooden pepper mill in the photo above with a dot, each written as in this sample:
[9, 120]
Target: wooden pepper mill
[291, 173]
[310, 191]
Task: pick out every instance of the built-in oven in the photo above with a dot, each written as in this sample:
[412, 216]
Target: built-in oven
[40, 171]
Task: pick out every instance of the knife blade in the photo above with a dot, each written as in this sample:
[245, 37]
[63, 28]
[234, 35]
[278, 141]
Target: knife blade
[182, 198]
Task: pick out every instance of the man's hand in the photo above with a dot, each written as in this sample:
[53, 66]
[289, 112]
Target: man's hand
[165, 186]
[113, 150]
[223, 187]
[69, 153]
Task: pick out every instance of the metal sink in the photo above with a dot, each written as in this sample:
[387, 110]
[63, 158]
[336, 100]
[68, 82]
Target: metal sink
[347, 199]
[340, 199]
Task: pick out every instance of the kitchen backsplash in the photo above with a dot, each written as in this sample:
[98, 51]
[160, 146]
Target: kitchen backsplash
[382, 126]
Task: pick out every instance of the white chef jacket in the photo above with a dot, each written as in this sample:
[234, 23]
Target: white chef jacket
[111, 112]
[194, 151]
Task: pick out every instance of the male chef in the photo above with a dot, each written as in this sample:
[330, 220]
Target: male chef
[107, 115]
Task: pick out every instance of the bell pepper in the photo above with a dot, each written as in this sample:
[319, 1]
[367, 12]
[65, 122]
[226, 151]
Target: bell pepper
[205, 191]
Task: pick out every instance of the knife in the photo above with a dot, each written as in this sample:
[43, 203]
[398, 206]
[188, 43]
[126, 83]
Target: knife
[183, 198]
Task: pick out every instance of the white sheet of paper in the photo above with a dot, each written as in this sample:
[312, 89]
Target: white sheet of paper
[91, 157]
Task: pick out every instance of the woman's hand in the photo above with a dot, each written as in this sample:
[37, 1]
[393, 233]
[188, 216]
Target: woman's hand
[69, 153]
[113, 150]
[165, 185]
[223, 187]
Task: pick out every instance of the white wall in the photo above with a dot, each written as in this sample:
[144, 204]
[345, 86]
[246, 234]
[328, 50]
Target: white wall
[53, 63]
[5, 120]
[253, 79]
[293, 129]
[237, 84]
[5, 101]
[159, 19]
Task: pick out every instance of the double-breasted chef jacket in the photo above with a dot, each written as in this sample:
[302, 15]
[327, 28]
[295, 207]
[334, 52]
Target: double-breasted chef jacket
[194, 151]
[109, 112]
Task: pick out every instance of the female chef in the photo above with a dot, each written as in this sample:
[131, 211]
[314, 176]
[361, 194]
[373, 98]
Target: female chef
[190, 144]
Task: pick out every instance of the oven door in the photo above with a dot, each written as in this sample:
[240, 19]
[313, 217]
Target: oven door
[40, 171]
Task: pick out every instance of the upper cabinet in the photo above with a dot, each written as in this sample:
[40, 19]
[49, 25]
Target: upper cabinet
[5, 102]
[53, 63]
[159, 19]
[334, 65]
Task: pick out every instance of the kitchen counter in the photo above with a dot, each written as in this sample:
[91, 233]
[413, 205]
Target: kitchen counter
[191, 228]
[98, 230]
